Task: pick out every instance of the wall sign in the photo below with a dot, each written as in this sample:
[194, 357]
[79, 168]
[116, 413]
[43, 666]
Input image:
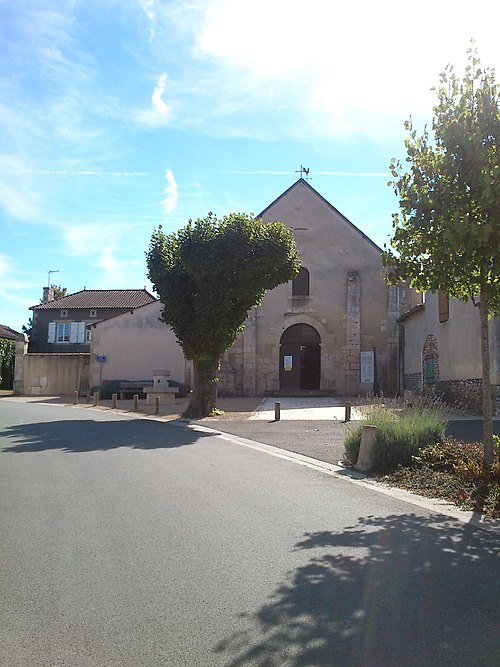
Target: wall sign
[287, 362]
[367, 367]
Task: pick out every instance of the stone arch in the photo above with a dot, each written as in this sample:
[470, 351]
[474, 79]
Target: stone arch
[300, 358]
[430, 363]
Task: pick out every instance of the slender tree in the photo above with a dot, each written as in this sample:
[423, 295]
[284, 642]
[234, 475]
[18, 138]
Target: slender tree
[209, 275]
[446, 235]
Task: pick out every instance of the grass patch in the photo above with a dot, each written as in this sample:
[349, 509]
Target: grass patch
[402, 431]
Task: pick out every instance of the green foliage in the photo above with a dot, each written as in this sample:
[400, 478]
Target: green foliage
[446, 232]
[209, 275]
[212, 272]
[59, 292]
[401, 432]
[450, 199]
[7, 356]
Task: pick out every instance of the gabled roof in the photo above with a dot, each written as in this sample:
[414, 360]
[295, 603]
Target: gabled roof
[302, 182]
[10, 334]
[100, 298]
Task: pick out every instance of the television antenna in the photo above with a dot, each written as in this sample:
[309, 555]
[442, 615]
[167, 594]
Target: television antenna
[48, 275]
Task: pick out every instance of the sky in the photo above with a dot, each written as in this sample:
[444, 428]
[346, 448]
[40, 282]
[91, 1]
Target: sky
[117, 116]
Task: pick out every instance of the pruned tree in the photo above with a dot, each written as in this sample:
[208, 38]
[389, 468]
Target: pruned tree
[446, 235]
[209, 275]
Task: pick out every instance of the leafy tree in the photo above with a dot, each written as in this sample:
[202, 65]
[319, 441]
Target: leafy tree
[59, 292]
[7, 355]
[209, 275]
[447, 232]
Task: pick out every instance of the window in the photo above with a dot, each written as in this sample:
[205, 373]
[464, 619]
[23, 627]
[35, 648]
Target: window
[300, 284]
[63, 332]
[443, 306]
[68, 332]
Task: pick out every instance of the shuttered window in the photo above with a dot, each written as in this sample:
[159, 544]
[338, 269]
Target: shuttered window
[444, 307]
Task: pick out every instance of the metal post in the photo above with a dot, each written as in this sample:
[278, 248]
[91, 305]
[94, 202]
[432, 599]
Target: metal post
[347, 412]
[277, 411]
[157, 405]
[113, 400]
[96, 398]
[136, 402]
[75, 397]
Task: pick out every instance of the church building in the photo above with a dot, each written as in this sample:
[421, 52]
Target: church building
[333, 329]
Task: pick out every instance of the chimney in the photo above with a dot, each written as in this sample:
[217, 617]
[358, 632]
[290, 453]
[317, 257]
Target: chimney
[48, 294]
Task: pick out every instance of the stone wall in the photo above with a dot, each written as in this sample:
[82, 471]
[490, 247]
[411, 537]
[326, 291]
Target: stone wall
[50, 374]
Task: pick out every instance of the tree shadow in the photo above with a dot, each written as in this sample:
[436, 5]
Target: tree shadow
[86, 435]
[394, 591]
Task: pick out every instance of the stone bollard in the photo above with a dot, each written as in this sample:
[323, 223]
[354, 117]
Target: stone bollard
[347, 412]
[75, 398]
[157, 405]
[366, 449]
[277, 411]
[136, 402]
[113, 400]
[96, 398]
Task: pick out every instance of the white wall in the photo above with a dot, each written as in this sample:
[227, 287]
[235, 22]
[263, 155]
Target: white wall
[135, 344]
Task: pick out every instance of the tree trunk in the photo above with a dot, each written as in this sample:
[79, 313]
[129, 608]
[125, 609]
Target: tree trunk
[487, 411]
[204, 396]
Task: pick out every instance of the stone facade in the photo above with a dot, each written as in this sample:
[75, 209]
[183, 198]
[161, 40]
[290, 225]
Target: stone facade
[348, 306]
[442, 356]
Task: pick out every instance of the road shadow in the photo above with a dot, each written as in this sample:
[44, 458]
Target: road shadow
[397, 591]
[87, 435]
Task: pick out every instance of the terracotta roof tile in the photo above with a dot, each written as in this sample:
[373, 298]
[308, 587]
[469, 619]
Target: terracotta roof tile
[100, 298]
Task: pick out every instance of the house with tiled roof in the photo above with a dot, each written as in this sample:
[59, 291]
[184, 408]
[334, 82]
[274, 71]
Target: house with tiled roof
[62, 325]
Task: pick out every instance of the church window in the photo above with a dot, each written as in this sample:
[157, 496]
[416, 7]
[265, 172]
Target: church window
[300, 284]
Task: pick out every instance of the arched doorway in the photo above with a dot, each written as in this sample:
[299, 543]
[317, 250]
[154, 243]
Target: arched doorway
[300, 358]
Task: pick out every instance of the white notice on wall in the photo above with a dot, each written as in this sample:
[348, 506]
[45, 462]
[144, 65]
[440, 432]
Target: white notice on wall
[367, 367]
[287, 362]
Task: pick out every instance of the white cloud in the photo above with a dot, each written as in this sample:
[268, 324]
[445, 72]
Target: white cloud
[117, 271]
[87, 239]
[171, 192]
[159, 113]
[148, 7]
[157, 97]
[18, 198]
[337, 68]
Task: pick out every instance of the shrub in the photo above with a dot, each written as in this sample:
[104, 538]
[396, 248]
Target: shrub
[402, 431]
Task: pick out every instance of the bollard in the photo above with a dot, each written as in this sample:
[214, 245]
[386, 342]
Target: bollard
[136, 402]
[96, 398]
[347, 412]
[277, 411]
[157, 405]
[113, 400]
[75, 397]
[366, 449]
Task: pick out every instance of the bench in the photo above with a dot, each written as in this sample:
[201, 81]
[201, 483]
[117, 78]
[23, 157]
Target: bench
[130, 387]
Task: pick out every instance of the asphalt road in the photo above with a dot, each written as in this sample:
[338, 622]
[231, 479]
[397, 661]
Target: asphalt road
[130, 542]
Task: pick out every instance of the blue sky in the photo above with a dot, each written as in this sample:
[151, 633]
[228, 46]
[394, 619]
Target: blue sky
[117, 116]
